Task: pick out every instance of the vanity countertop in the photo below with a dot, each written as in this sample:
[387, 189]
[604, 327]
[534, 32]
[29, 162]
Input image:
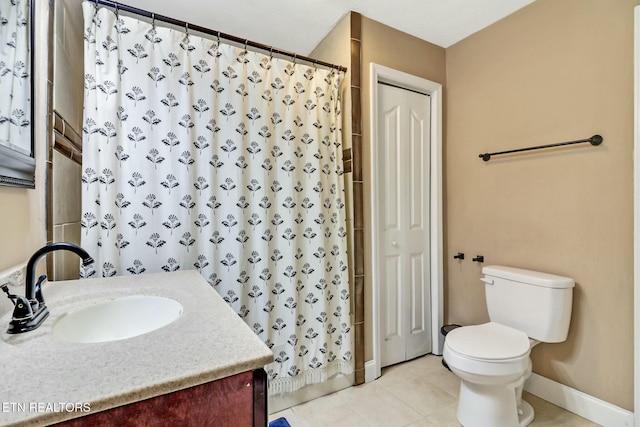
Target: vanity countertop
[40, 376]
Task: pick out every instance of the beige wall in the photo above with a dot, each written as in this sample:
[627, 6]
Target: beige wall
[394, 49]
[554, 71]
[22, 216]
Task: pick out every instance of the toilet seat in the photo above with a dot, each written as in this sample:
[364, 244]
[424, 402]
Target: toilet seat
[489, 341]
[489, 349]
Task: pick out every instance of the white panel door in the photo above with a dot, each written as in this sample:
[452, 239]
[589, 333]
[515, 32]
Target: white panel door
[403, 146]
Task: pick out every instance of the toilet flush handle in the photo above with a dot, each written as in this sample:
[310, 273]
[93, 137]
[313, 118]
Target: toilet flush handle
[487, 281]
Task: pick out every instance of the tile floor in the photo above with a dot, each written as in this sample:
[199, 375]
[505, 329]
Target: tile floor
[418, 393]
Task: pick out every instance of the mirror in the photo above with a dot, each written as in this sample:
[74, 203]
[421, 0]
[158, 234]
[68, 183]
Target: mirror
[17, 157]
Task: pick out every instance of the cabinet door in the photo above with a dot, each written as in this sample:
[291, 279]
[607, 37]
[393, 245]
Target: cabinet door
[238, 400]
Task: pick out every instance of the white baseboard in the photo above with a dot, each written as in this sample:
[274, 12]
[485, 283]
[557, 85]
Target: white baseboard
[280, 402]
[589, 407]
[370, 371]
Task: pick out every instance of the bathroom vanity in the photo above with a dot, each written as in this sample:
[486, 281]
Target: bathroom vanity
[203, 368]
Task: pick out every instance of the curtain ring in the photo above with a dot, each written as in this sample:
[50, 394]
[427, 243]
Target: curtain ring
[186, 26]
[117, 11]
[153, 21]
[218, 38]
[245, 46]
[295, 56]
[271, 53]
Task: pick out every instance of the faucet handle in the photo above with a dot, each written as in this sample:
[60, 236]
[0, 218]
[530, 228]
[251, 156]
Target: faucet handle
[22, 309]
[5, 289]
[38, 288]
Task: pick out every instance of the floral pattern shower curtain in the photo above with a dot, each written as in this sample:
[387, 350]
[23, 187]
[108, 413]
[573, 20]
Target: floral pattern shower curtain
[201, 155]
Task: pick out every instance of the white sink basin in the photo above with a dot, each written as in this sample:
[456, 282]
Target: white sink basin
[117, 319]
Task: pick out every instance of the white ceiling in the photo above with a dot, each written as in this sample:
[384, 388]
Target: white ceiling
[299, 25]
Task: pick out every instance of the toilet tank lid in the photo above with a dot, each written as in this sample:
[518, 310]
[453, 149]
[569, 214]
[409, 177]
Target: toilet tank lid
[528, 276]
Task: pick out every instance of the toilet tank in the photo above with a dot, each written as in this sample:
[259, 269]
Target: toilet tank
[536, 303]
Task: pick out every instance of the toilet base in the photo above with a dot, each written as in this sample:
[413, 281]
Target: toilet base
[492, 405]
[525, 413]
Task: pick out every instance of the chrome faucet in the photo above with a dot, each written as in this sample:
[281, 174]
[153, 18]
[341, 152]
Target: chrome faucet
[30, 310]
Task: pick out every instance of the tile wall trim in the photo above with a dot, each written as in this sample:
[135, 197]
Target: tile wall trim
[358, 186]
[66, 139]
[50, 140]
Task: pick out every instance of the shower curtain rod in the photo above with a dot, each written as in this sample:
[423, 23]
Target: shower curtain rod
[119, 6]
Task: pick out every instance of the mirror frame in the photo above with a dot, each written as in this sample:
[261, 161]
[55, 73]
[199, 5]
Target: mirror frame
[18, 169]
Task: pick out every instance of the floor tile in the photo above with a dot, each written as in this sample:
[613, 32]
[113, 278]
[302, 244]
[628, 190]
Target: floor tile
[547, 414]
[387, 410]
[445, 417]
[423, 422]
[417, 393]
[423, 396]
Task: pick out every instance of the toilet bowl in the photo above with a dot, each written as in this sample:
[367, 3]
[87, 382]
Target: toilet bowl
[493, 362]
[492, 359]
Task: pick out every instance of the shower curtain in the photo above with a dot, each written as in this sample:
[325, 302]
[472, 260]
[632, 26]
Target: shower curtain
[202, 155]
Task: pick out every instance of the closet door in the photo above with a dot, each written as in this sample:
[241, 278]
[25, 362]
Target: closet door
[404, 147]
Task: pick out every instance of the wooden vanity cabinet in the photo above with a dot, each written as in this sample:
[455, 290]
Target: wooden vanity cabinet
[236, 401]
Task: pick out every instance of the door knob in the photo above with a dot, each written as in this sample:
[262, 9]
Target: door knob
[394, 244]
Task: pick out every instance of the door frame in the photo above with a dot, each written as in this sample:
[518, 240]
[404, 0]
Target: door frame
[380, 73]
[636, 218]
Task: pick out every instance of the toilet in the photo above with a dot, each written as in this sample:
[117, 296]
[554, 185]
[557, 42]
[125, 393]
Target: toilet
[493, 359]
